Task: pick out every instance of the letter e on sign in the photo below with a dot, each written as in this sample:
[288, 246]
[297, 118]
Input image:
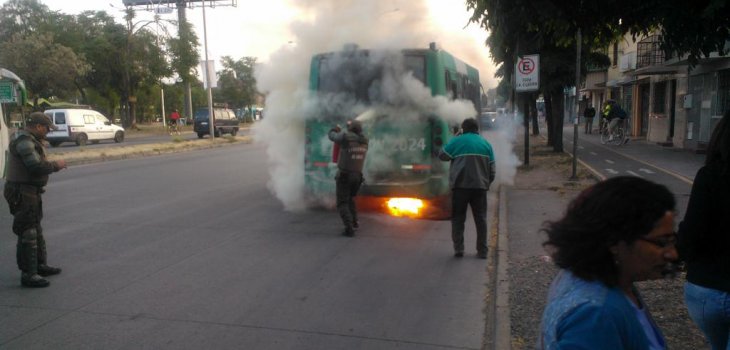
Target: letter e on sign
[527, 73]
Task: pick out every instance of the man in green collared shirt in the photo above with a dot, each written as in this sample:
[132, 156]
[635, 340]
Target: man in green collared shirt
[472, 171]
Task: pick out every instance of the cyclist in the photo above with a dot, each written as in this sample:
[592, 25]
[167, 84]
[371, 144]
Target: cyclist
[614, 114]
[174, 122]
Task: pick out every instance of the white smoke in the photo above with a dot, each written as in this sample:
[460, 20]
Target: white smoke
[326, 26]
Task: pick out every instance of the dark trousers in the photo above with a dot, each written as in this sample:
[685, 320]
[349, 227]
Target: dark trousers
[589, 126]
[477, 199]
[26, 206]
[347, 186]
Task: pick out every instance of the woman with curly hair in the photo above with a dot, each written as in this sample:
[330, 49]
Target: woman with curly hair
[704, 239]
[615, 233]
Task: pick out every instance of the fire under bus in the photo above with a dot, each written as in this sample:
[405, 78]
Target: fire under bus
[403, 175]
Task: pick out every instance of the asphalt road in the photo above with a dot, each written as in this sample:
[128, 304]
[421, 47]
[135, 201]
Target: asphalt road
[634, 159]
[191, 251]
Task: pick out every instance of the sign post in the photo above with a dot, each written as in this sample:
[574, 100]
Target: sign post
[527, 79]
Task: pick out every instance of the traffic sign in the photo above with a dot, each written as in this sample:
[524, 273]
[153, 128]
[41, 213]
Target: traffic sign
[527, 73]
[163, 10]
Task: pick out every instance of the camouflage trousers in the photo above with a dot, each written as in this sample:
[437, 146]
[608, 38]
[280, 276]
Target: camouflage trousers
[26, 206]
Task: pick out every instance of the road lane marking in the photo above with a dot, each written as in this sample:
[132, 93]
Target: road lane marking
[613, 172]
[633, 173]
[610, 161]
[646, 171]
[593, 153]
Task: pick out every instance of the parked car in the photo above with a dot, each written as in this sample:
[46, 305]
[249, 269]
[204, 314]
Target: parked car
[224, 121]
[81, 126]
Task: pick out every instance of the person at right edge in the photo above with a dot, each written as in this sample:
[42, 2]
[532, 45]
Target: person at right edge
[471, 172]
[353, 148]
[27, 175]
[704, 238]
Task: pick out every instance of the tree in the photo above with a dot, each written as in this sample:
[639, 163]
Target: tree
[143, 61]
[23, 17]
[237, 84]
[548, 27]
[48, 68]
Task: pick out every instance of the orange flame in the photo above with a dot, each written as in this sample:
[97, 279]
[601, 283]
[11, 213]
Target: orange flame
[404, 206]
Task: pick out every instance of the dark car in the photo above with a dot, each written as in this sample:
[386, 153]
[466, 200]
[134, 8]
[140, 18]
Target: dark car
[488, 120]
[225, 122]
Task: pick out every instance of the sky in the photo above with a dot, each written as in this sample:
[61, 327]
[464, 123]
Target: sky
[261, 27]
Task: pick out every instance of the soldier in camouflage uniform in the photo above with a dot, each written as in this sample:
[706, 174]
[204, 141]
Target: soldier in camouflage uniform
[27, 174]
[353, 148]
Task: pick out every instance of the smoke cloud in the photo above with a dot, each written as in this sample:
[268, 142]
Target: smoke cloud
[327, 26]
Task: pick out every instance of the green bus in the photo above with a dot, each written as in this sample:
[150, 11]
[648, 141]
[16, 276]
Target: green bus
[403, 175]
[12, 91]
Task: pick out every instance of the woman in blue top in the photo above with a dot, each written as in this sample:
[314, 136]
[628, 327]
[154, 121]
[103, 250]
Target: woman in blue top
[613, 234]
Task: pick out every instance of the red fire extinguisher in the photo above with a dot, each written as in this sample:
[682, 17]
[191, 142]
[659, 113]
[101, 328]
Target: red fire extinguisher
[336, 148]
[335, 152]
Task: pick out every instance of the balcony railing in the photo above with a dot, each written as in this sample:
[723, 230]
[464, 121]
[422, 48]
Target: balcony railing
[649, 52]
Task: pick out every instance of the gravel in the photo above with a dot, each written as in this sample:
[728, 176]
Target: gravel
[530, 280]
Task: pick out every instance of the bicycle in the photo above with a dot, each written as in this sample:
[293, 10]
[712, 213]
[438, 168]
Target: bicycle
[617, 138]
[173, 127]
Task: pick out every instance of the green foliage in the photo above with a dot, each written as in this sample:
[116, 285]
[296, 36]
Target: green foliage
[48, 68]
[237, 84]
[184, 56]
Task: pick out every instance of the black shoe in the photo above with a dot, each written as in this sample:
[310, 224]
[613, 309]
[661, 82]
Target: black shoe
[459, 254]
[45, 270]
[482, 255]
[33, 281]
[355, 225]
[348, 233]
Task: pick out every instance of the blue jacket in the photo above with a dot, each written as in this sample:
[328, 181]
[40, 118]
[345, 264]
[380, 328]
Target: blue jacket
[583, 314]
[472, 161]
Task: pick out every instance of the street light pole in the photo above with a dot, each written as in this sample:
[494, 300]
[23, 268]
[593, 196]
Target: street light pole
[207, 78]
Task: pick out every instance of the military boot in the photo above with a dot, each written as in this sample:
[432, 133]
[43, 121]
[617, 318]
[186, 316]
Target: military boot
[29, 260]
[43, 268]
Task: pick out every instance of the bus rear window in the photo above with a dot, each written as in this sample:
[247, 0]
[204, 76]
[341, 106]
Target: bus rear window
[359, 75]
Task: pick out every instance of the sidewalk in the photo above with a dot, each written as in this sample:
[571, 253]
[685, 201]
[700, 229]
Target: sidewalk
[541, 192]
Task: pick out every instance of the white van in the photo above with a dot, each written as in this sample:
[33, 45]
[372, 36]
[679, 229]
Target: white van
[81, 126]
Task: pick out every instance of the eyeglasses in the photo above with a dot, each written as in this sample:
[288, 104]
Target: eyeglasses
[663, 241]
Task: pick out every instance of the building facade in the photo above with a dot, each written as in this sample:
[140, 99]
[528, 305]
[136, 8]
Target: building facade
[669, 102]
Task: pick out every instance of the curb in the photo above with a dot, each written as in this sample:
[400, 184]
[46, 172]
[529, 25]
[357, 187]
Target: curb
[502, 327]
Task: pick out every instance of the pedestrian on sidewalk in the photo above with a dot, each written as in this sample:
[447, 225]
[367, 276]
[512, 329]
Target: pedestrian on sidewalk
[588, 115]
[353, 146]
[471, 172]
[27, 175]
[704, 239]
[602, 250]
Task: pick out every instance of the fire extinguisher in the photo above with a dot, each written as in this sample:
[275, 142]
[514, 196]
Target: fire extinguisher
[336, 147]
[335, 152]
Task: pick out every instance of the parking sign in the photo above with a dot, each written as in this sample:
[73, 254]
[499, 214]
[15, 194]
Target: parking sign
[527, 73]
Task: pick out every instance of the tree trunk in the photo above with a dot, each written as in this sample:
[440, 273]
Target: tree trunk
[549, 118]
[557, 119]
